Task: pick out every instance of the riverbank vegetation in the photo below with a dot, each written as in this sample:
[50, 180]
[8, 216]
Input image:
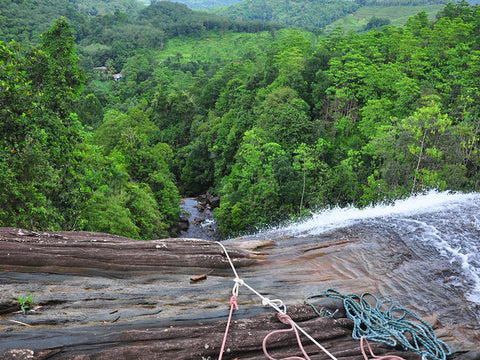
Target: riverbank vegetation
[275, 120]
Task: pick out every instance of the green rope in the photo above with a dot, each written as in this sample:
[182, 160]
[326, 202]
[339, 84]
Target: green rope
[382, 320]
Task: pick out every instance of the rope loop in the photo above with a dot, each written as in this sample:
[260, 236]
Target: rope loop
[385, 357]
[322, 312]
[287, 320]
[381, 319]
[284, 318]
[277, 304]
[238, 282]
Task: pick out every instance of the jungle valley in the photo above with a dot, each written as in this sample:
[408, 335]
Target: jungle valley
[111, 111]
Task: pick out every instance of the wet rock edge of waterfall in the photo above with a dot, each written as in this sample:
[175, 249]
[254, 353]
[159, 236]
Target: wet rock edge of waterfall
[104, 255]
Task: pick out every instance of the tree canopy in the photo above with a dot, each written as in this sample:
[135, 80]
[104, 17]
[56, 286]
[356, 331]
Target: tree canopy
[277, 121]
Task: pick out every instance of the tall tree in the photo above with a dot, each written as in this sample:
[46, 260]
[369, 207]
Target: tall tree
[56, 72]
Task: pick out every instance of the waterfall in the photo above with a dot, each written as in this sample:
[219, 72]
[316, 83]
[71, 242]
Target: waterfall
[449, 222]
[423, 251]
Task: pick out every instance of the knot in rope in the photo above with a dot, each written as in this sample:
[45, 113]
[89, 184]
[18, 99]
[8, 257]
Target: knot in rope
[277, 304]
[238, 282]
[287, 320]
[284, 318]
[233, 302]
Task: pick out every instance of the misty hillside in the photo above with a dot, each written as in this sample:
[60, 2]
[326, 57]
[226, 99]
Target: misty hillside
[311, 14]
[201, 4]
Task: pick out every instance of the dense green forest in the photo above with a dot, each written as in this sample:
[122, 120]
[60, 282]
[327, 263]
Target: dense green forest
[277, 121]
[308, 14]
[313, 14]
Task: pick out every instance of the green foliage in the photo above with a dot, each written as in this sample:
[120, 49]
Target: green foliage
[26, 302]
[399, 2]
[251, 189]
[205, 4]
[397, 15]
[56, 73]
[38, 135]
[275, 121]
[376, 22]
[52, 176]
[130, 139]
[109, 213]
[299, 13]
[286, 119]
[90, 111]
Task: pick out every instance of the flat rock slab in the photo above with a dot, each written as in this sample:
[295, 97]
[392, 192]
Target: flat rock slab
[99, 296]
[87, 251]
[200, 340]
[89, 279]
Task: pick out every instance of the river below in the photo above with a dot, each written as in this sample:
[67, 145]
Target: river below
[201, 223]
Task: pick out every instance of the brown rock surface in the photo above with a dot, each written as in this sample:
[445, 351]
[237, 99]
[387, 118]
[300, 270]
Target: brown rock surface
[85, 251]
[100, 296]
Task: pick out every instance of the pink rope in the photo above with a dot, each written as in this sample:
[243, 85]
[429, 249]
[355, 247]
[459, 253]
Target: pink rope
[233, 304]
[386, 357]
[284, 318]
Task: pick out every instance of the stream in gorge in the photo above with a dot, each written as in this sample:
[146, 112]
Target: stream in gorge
[201, 223]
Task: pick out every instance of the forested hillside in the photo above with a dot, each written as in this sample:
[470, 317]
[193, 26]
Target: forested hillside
[25, 20]
[203, 4]
[371, 17]
[275, 121]
[310, 14]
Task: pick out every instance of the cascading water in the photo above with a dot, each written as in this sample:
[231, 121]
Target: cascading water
[201, 224]
[442, 224]
[423, 251]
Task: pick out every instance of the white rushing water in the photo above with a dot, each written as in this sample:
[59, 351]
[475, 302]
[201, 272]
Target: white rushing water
[441, 223]
[433, 201]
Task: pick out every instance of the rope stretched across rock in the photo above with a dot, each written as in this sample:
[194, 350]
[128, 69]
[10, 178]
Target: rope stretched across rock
[382, 320]
[370, 322]
[276, 304]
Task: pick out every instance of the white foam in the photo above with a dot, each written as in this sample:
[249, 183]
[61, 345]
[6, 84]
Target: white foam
[337, 217]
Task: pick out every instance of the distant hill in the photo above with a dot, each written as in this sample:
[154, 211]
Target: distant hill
[393, 3]
[202, 4]
[300, 13]
[396, 15]
[106, 21]
[25, 20]
[103, 7]
[311, 14]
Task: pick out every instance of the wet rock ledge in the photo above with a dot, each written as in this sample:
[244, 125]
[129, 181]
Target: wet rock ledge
[99, 297]
[82, 252]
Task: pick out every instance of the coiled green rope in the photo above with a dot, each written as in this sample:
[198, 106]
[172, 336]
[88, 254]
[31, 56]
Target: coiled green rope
[382, 320]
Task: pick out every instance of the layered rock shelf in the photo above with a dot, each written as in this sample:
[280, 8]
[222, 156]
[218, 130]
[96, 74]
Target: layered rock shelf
[99, 296]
